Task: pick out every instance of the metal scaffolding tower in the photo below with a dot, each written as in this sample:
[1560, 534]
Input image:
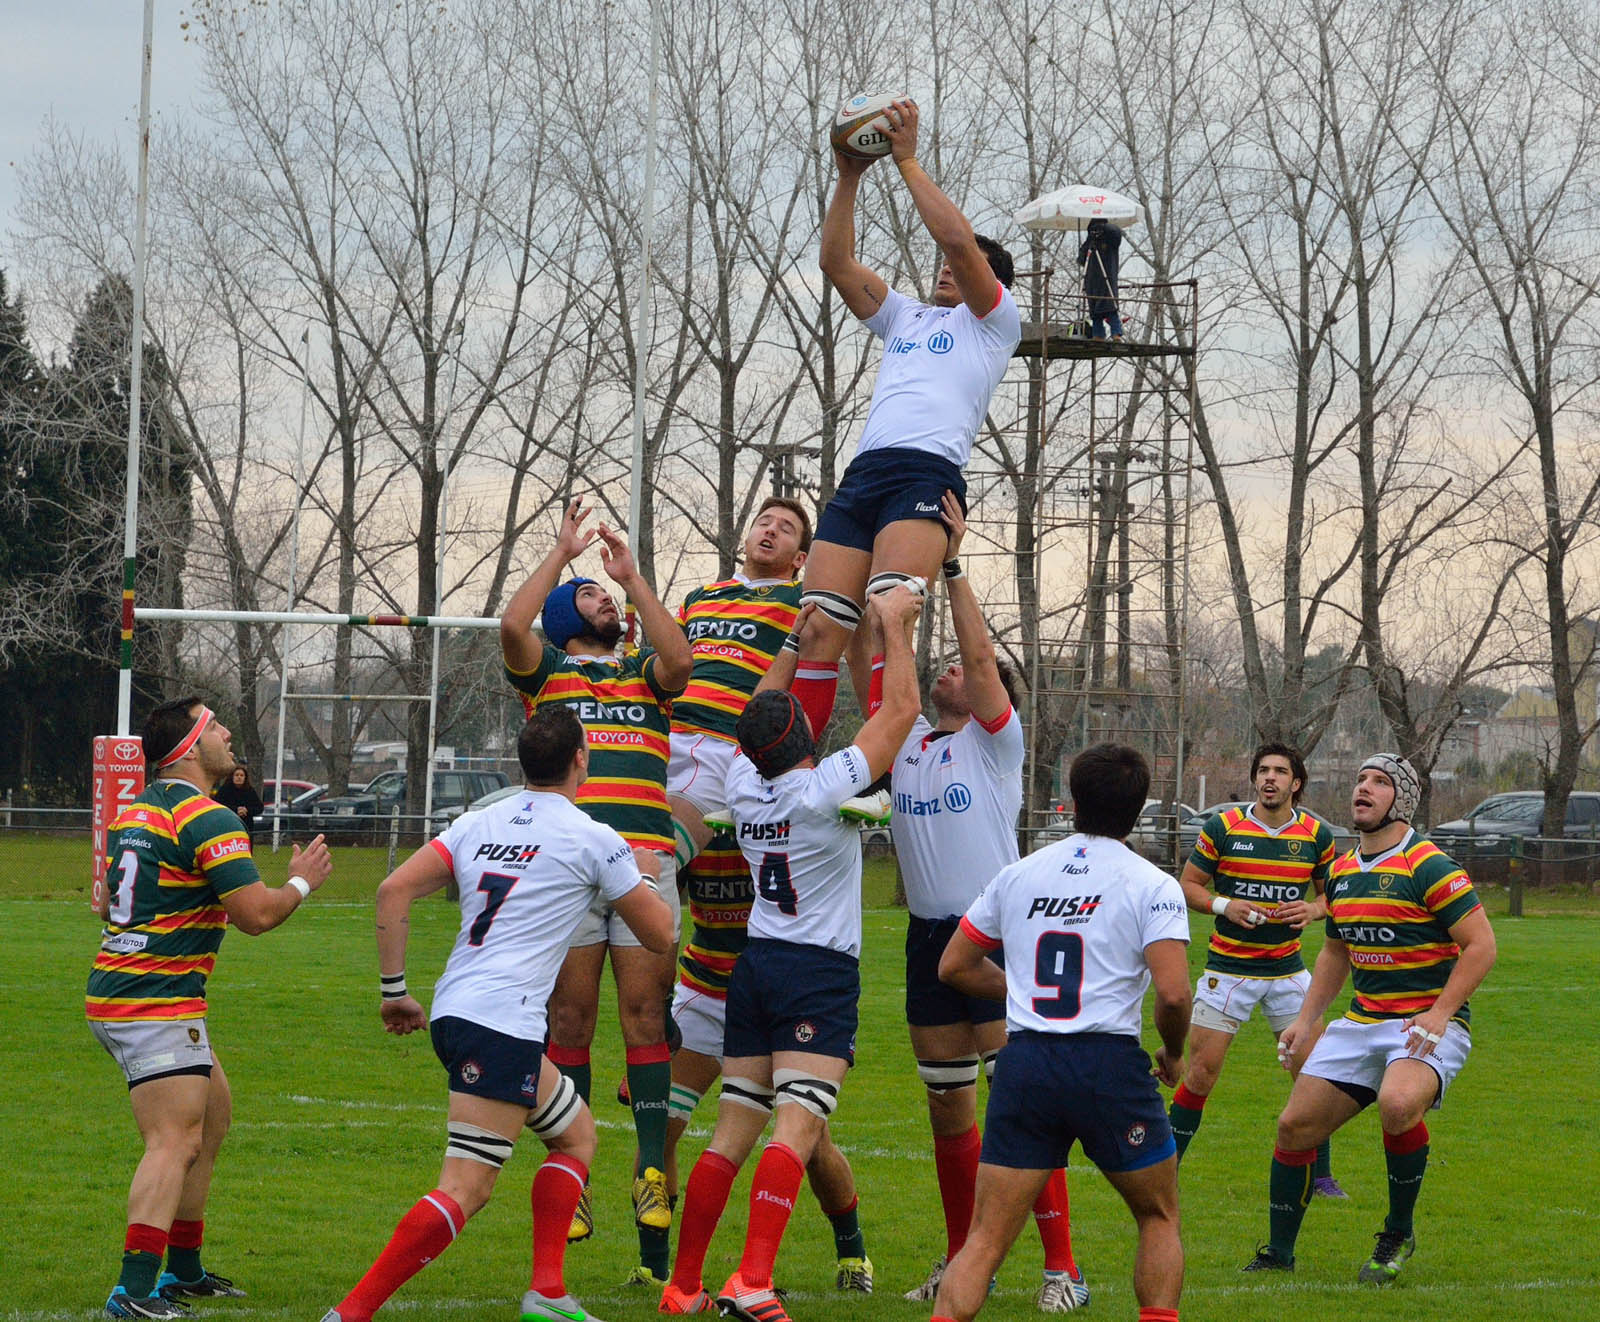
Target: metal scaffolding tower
[1080, 497]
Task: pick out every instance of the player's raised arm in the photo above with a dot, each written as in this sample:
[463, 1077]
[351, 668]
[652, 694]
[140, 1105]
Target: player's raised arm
[674, 659]
[780, 674]
[861, 288]
[518, 646]
[950, 229]
[423, 873]
[259, 908]
[986, 695]
[880, 738]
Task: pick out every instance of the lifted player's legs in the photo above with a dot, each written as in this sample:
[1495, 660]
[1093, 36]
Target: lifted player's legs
[836, 580]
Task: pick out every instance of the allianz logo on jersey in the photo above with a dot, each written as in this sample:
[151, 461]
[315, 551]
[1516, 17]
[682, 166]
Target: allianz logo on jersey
[764, 832]
[956, 798]
[517, 853]
[940, 342]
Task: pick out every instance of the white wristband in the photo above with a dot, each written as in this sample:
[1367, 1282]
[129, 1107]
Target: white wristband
[1219, 905]
[300, 884]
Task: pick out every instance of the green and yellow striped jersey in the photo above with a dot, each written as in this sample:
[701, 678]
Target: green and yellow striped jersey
[171, 855]
[735, 629]
[1247, 860]
[627, 714]
[1394, 914]
[720, 891]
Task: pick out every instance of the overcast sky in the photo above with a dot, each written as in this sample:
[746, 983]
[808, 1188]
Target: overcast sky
[78, 60]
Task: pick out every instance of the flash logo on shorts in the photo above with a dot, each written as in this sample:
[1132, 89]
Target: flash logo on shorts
[507, 853]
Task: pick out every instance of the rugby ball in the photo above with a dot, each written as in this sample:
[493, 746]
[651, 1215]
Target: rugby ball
[858, 128]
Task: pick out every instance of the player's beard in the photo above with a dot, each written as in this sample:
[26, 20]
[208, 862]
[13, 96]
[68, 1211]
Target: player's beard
[606, 632]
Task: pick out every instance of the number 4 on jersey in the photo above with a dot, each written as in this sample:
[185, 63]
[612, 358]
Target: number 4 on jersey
[773, 883]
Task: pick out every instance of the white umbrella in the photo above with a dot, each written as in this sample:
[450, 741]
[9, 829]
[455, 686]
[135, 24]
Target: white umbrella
[1073, 207]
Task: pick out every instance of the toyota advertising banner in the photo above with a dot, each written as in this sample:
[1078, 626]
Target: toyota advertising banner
[118, 778]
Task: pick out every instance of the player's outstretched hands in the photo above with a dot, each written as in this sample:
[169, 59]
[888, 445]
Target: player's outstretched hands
[955, 523]
[615, 557]
[314, 862]
[851, 167]
[901, 130]
[898, 607]
[1169, 1068]
[572, 541]
[403, 1016]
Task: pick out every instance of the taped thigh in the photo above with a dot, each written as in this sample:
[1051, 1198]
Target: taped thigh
[842, 610]
[948, 1075]
[472, 1143]
[817, 1095]
[893, 578]
[555, 1117]
[988, 1058]
[747, 1092]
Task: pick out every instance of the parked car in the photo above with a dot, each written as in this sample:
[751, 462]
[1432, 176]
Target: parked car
[452, 790]
[1189, 829]
[1519, 813]
[296, 814]
[293, 789]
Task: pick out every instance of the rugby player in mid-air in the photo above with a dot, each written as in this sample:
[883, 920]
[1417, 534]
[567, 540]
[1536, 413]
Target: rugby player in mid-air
[941, 363]
[529, 868]
[792, 999]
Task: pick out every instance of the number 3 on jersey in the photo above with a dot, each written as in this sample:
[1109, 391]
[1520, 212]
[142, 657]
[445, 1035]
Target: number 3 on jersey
[1058, 963]
[773, 883]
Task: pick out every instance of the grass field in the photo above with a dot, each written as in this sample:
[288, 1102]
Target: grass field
[339, 1128]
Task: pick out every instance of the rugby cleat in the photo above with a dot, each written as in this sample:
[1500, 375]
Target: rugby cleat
[209, 1286]
[538, 1307]
[650, 1206]
[1388, 1256]
[928, 1291]
[1061, 1292]
[1267, 1261]
[674, 1300]
[749, 1304]
[854, 1275]
[332, 1315]
[871, 809]
[582, 1219]
[122, 1304]
[642, 1275]
[1328, 1187]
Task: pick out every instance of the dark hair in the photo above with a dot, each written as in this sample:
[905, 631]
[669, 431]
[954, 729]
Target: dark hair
[1109, 784]
[1008, 679]
[795, 508]
[165, 728]
[547, 744]
[1297, 764]
[1000, 262]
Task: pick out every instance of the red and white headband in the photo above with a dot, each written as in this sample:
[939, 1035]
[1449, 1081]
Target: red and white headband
[187, 743]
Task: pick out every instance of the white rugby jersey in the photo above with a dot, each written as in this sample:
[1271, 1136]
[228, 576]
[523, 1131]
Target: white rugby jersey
[940, 366]
[1075, 918]
[528, 868]
[956, 800]
[805, 859]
